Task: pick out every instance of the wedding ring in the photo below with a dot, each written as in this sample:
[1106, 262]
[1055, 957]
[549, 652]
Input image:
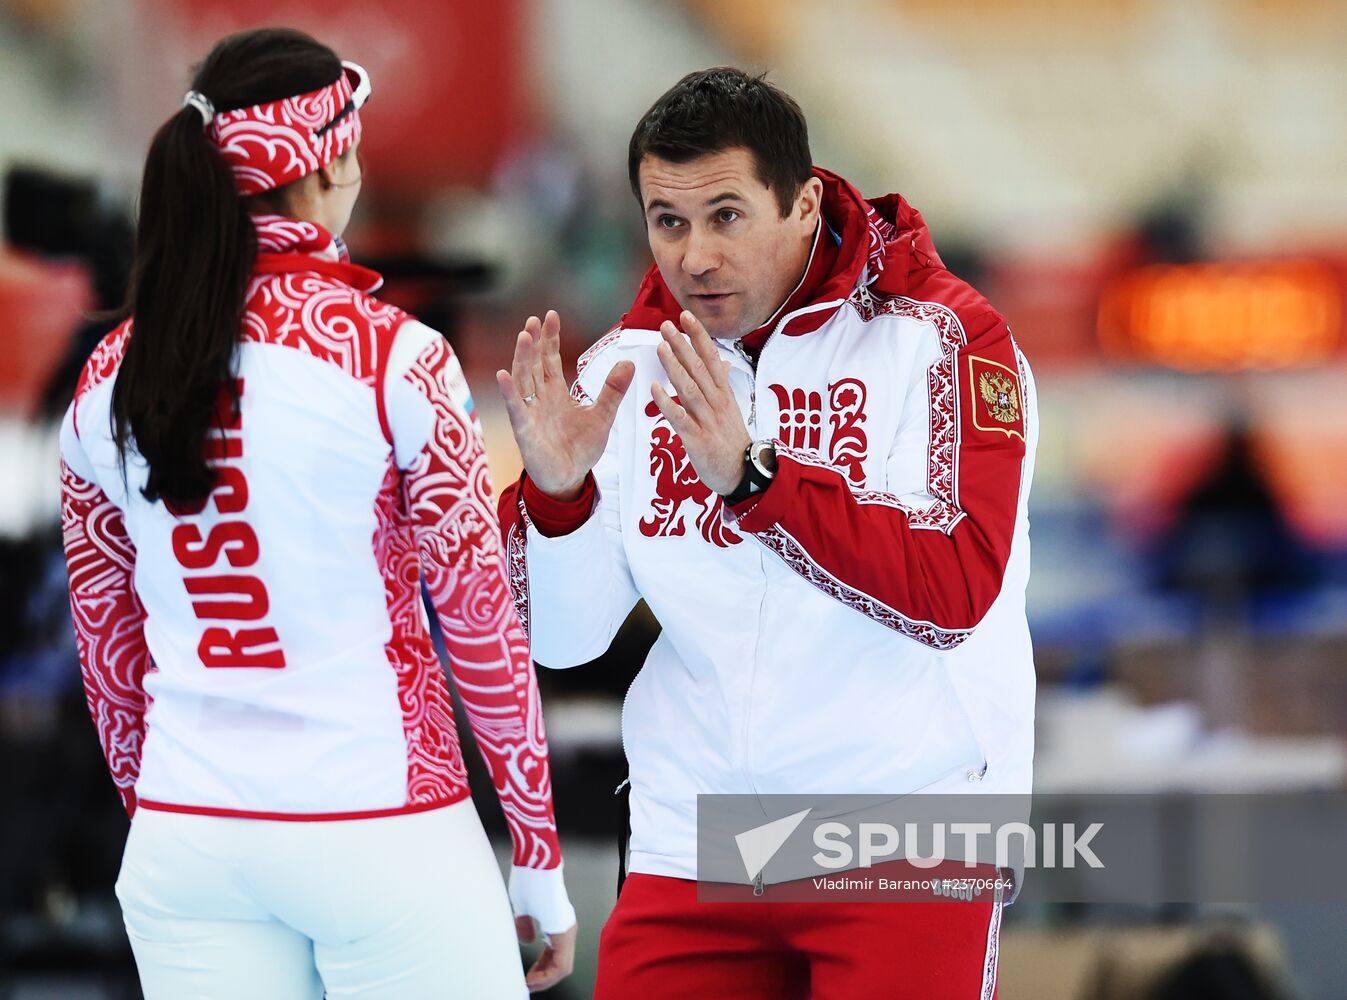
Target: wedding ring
[530, 399]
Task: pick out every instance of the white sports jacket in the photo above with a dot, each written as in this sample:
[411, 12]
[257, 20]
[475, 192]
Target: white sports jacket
[267, 655]
[860, 626]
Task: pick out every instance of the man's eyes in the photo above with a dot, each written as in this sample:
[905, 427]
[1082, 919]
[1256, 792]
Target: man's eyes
[724, 216]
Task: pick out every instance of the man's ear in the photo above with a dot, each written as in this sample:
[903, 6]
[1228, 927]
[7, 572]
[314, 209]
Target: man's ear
[809, 203]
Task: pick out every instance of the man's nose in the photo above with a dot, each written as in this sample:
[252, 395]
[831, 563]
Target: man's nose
[700, 255]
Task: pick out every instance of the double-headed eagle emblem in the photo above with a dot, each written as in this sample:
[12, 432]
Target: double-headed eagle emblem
[999, 393]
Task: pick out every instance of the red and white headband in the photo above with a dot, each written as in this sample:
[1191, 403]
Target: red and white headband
[269, 145]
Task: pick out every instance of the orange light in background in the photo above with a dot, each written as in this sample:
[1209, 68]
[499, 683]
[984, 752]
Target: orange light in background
[1224, 317]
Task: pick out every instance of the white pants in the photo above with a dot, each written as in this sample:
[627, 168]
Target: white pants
[399, 908]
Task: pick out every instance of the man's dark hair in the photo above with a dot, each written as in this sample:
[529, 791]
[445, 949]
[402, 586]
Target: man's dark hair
[724, 108]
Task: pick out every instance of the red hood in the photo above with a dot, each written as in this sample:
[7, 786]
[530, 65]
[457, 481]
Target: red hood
[883, 242]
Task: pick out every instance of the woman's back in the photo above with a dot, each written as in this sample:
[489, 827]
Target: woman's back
[296, 569]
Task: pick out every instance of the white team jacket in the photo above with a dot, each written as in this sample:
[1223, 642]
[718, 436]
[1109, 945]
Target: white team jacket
[861, 627]
[267, 655]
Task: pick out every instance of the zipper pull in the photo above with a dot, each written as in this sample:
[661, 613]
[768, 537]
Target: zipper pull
[863, 293]
[758, 889]
[738, 346]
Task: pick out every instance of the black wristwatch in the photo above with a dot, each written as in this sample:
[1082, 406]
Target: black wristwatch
[759, 470]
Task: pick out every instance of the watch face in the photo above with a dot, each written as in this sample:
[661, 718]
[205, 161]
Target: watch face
[764, 457]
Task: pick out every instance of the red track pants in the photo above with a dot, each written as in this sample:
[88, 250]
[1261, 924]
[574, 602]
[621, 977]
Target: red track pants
[660, 943]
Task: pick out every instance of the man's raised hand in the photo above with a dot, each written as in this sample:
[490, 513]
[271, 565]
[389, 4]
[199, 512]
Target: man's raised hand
[559, 438]
[705, 415]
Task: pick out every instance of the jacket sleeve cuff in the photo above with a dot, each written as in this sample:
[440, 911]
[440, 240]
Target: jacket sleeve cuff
[554, 517]
[765, 509]
[744, 506]
[540, 893]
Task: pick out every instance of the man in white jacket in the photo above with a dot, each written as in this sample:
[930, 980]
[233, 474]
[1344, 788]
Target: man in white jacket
[808, 447]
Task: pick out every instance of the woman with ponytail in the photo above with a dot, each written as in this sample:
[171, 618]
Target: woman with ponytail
[261, 466]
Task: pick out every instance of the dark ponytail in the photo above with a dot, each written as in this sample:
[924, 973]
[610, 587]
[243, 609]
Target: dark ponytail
[195, 249]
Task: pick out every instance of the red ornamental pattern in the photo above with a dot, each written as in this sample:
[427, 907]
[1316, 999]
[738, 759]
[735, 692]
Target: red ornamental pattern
[676, 485]
[992, 956]
[102, 364]
[448, 503]
[277, 234]
[801, 423]
[435, 769]
[1021, 364]
[324, 318]
[109, 625]
[271, 145]
[942, 464]
[880, 232]
[801, 417]
[516, 553]
[793, 554]
[592, 352]
[848, 444]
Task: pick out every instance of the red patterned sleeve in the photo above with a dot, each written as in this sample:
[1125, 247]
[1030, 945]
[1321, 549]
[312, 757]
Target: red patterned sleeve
[109, 625]
[462, 562]
[927, 565]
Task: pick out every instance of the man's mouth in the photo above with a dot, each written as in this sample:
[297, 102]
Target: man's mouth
[711, 298]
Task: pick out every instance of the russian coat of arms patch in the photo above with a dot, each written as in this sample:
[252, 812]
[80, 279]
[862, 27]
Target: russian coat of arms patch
[997, 401]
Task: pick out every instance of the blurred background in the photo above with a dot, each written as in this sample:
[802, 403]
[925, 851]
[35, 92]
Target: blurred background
[1154, 192]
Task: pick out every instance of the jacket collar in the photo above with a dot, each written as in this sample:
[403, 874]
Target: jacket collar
[880, 243]
[286, 246]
